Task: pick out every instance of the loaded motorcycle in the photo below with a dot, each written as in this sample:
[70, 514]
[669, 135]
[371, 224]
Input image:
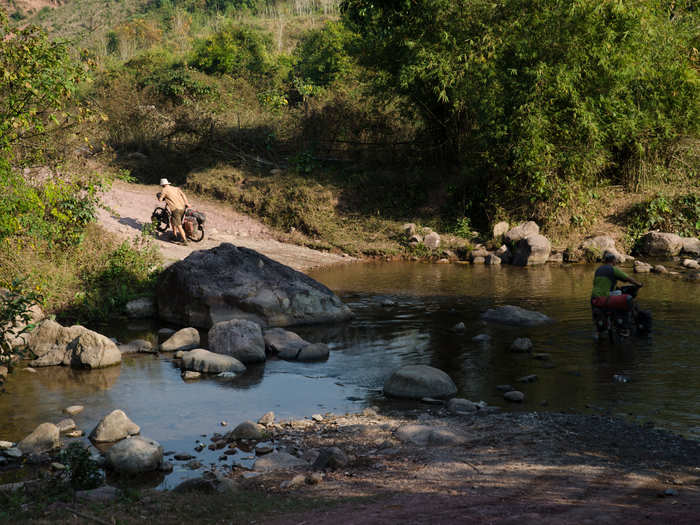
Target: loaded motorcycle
[192, 222]
[620, 324]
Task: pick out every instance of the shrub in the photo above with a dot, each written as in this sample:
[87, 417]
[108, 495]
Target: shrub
[323, 56]
[82, 472]
[680, 214]
[15, 303]
[236, 51]
[58, 211]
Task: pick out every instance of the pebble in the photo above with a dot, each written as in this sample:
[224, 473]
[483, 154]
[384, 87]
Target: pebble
[317, 417]
[30, 369]
[75, 433]
[432, 401]
[190, 374]
[183, 457]
[314, 478]
[481, 338]
[4, 445]
[194, 464]
[58, 466]
[504, 388]
[459, 328]
[619, 378]
[223, 423]
[74, 410]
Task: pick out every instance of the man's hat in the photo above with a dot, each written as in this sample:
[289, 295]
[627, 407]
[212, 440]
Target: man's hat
[164, 182]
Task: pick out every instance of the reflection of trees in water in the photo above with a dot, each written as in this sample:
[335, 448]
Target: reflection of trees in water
[60, 378]
[23, 406]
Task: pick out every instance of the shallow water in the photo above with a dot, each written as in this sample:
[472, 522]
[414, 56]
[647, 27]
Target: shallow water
[429, 299]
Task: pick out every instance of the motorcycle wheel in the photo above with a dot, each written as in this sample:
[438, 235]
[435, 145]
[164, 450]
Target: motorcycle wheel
[197, 233]
[160, 219]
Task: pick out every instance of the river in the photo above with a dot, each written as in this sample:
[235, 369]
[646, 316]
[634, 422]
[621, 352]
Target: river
[424, 302]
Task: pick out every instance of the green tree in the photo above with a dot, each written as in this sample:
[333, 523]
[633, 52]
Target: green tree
[38, 81]
[324, 55]
[532, 93]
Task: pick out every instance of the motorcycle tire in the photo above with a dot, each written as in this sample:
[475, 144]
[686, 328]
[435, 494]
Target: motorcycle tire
[160, 219]
[197, 233]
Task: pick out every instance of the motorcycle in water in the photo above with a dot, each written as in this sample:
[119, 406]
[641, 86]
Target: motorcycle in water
[621, 324]
[192, 222]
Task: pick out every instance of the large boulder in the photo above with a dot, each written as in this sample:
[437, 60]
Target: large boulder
[135, 455]
[659, 244]
[114, 426]
[419, 381]
[200, 360]
[44, 438]
[691, 245]
[514, 315]
[93, 350]
[521, 231]
[533, 249]
[239, 338]
[229, 282]
[53, 344]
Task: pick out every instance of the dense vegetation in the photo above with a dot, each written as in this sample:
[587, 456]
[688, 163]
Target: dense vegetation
[49, 250]
[338, 121]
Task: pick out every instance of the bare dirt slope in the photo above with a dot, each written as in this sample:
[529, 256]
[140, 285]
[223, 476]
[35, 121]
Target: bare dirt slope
[129, 207]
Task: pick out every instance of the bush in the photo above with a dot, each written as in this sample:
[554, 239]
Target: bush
[82, 472]
[236, 51]
[323, 55]
[680, 214]
[58, 211]
[15, 303]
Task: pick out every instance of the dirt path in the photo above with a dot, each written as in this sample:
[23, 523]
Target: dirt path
[130, 207]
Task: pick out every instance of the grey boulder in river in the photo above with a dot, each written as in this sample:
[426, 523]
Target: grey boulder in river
[229, 282]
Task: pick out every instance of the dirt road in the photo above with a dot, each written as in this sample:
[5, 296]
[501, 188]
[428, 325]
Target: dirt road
[129, 207]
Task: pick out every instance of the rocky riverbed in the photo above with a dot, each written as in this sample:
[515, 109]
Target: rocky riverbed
[424, 464]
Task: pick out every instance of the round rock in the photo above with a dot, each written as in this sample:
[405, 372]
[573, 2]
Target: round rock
[113, 427]
[135, 455]
[419, 381]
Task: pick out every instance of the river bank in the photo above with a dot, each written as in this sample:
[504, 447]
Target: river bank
[423, 465]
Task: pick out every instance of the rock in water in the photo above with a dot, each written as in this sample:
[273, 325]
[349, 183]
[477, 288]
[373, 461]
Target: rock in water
[44, 438]
[135, 455]
[207, 362]
[514, 315]
[659, 244]
[238, 338]
[419, 381]
[113, 427]
[229, 282]
[183, 339]
[534, 249]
